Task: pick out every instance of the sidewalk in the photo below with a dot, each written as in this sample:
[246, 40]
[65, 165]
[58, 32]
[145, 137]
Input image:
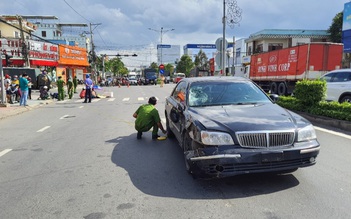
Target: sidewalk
[15, 109]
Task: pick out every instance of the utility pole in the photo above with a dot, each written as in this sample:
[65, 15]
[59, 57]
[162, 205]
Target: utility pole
[223, 41]
[162, 32]
[93, 51]
[24, 45]
[3, 92]
[234, 15]
[233, 65]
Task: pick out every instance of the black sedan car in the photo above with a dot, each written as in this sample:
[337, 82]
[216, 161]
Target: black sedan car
[228, 126]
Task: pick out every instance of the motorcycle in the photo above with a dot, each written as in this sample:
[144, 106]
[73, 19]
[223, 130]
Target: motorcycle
[44, 94]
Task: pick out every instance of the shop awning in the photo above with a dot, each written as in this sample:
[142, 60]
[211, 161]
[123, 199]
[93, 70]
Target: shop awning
[43, 62]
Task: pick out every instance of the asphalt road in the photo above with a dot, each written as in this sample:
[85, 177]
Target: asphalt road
[74, 160]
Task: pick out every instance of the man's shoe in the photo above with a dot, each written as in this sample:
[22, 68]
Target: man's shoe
[154, 137]
[84, 102]
[139, 135]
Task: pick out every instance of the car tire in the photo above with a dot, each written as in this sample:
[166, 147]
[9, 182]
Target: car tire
[346, 98]
[186, 145]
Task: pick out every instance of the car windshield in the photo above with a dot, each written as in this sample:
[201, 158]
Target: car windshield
[225, 93]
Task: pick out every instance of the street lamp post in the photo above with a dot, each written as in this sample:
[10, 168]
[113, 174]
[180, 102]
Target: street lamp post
[162, 32]
[234, 17]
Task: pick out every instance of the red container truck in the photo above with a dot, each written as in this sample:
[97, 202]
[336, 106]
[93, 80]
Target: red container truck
[278, 71]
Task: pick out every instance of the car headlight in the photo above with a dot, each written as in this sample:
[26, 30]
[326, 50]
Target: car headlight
[306, 133]
[216, 138]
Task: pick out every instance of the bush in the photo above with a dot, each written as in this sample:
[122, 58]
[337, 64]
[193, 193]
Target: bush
[310, 92]
[289, 102]
[309, 97]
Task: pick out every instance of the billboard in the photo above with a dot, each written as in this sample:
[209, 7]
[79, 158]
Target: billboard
[346, 28]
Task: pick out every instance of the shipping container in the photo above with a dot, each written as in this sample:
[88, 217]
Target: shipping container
[278, 71]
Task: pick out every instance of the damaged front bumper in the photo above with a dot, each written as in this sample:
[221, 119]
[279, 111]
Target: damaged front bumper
[225, 161]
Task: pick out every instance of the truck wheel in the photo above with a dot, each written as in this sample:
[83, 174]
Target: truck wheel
[281, 89]
[274, 88]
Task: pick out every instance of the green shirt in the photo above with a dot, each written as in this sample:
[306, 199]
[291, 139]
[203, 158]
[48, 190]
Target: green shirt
[60, 83]
[147, 117]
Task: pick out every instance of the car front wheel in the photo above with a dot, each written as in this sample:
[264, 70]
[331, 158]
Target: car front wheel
[346, 98]
[186, 144]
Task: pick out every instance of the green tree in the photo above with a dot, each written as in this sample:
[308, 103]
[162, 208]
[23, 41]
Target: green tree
[335, 30]
[201, 61]
[116, 66]
[185, 64]
[154, 65]
[169, 67]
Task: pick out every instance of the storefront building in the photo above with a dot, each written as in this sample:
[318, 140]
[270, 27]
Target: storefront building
[39, 54]
[73, 61]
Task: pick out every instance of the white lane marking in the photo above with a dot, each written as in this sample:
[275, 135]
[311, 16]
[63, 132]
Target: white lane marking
[43, 129]
[140, 98]
[333, 132]
[111, 99]
[126, 99]
[95, 100]
[64, 116]
[80, 107]
[2, 153]
[77, 101]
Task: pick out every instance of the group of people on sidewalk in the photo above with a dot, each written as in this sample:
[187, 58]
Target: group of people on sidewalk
[18, 86]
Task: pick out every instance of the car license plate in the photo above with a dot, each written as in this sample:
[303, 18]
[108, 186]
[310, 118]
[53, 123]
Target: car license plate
[272, 156]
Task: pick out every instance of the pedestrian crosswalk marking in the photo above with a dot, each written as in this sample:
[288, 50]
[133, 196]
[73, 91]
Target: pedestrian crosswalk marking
[95, 100]
[140, 98]
[126, 99]
[111, 99]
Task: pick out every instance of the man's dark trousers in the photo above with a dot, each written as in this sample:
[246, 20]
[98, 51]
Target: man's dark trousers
[87, 93]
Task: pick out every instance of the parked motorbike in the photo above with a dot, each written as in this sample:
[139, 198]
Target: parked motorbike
[44, 94]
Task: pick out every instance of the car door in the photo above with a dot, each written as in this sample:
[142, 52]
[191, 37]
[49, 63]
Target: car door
[175, 107]
[338, 84]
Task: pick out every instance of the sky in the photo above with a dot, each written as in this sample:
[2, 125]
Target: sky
[123, 26]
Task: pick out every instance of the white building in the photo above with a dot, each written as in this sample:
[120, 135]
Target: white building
[168, 54]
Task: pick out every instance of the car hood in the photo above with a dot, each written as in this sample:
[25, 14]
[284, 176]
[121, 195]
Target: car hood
[247, 117]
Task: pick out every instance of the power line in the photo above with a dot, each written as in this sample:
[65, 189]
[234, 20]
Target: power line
[77, 12]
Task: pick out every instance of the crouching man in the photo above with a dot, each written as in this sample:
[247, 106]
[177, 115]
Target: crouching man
[147, 117]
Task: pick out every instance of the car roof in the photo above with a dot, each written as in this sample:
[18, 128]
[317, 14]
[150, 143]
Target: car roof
[216, 79]
[341, 70]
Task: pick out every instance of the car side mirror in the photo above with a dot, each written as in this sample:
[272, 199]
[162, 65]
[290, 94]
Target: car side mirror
[274, 97]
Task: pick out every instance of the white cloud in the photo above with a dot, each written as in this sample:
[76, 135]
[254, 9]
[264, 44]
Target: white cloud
[125, 23]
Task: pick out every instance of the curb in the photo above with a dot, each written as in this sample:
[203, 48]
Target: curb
[326, 121]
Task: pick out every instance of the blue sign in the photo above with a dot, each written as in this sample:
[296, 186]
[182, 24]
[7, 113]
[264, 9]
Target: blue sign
[346, 27]
[162, 71]
[200, 46]
[163, 46]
